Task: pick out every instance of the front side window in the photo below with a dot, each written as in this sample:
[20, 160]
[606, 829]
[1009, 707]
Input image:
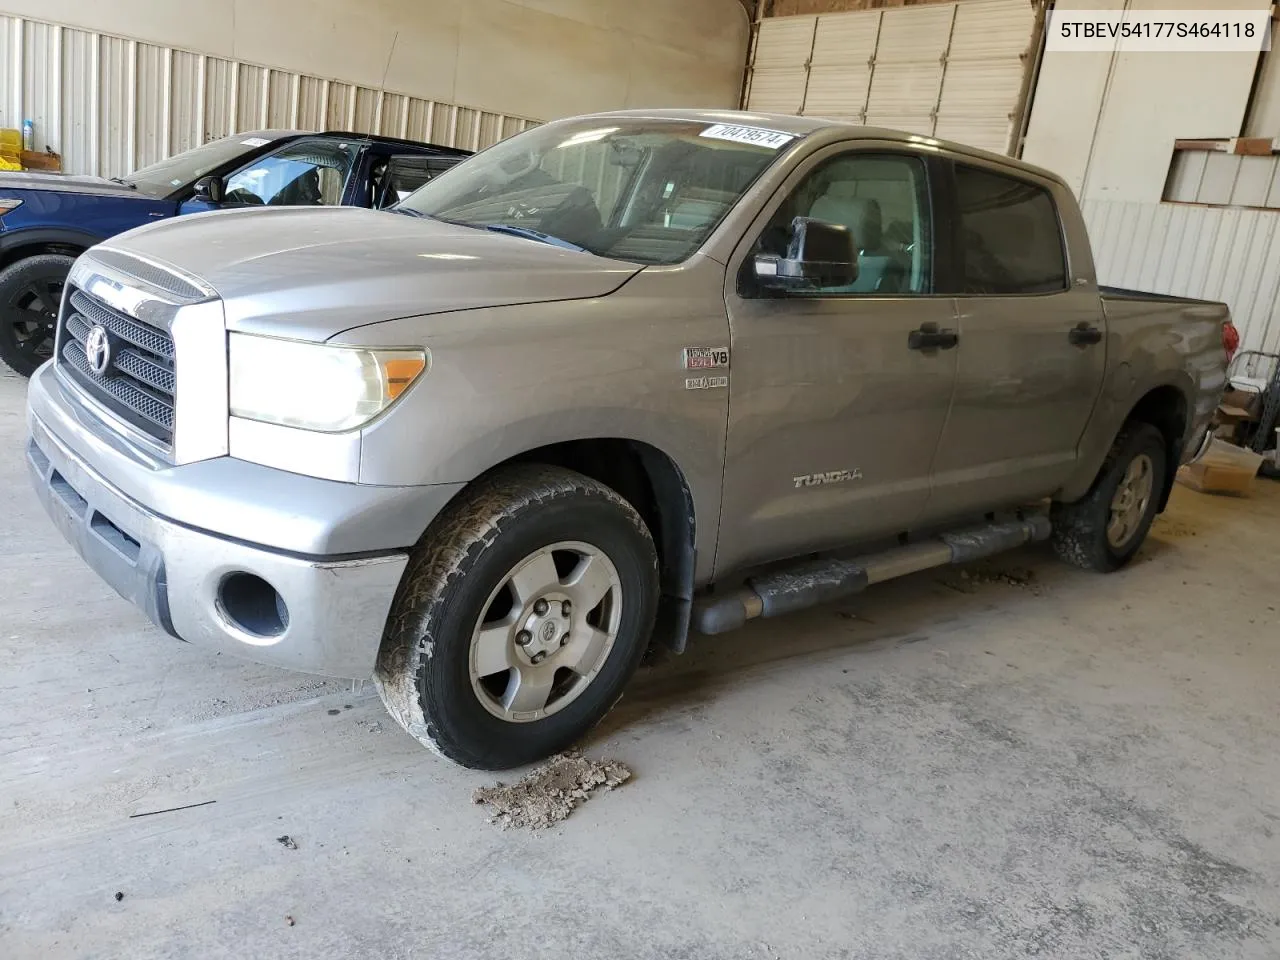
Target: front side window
[648, 191]
[305, 173]
[884, 202]
[1010, 240]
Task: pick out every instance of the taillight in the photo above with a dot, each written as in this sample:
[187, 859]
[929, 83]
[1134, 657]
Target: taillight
[1230, 339]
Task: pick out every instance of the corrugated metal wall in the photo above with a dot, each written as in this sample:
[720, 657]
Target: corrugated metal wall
[109, 104]
[1215, 253]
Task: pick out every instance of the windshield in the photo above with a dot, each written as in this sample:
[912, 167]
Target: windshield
[648, 191]
[161, 179]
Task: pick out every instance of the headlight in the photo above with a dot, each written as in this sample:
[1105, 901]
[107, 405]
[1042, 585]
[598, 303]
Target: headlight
[316, 386]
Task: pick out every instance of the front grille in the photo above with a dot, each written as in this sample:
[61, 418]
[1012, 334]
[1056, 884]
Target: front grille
[139, 383]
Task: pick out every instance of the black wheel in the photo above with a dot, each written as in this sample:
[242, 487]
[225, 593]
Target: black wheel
[30, 294]
[522, 614]
[1104, 529]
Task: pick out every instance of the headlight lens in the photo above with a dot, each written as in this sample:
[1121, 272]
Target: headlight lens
[316, 386]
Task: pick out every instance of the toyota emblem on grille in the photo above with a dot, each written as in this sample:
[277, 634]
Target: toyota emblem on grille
[97, 350]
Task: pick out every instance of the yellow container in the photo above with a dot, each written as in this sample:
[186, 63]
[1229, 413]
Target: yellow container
[10, 149]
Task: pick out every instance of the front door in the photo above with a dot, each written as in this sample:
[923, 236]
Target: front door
[1026, 383]
[833, 417]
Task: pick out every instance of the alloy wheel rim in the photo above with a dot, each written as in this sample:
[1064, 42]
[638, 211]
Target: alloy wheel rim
[1130, 501]
[545, 631]
[32, 314]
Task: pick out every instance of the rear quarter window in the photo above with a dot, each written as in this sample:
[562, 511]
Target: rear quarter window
[1010, 237]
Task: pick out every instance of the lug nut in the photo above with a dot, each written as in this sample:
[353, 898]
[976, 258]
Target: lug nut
[564, 640]
[538, 657]
[524, 638]
[565, 608]
[540, 607]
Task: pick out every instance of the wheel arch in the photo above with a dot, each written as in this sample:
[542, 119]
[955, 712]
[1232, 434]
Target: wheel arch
[1166, 408]
[651, 481]
[33, 243]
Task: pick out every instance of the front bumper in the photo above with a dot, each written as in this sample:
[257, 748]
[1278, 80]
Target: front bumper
[337, 606]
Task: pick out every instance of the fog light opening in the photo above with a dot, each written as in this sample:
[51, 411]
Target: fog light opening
[253, 605]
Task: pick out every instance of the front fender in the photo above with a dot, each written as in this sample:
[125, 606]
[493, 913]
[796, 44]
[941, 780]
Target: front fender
[12, 241]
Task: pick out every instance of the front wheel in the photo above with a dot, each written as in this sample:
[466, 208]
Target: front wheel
[521, 616]
[1104, 529]
[30, 294]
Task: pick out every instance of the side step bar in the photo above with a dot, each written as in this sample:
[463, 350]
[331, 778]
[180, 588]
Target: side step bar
[812, 582]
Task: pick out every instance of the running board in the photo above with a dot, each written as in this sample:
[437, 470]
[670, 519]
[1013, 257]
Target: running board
[811, 582]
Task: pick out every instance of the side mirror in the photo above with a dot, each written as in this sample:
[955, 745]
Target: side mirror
[819, 254]
[209, 188]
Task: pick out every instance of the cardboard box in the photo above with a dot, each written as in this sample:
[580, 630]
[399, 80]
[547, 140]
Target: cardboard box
[1225, 468]
[31, 160]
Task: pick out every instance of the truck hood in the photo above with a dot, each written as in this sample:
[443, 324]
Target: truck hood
[61, 183]
[310, 273]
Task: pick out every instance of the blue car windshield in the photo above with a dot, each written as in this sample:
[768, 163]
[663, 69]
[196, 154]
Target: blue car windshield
[638, 189]
[183, 169]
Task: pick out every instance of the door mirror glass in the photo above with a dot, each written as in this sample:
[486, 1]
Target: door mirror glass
[209, 188]
[819, 254]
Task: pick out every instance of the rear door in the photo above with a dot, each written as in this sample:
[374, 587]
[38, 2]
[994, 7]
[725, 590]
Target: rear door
[833, 417]
[1025, 382]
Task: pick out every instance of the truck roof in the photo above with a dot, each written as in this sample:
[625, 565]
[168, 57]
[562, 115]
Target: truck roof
[804, 126]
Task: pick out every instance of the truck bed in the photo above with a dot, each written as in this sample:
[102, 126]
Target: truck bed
[1121, 293]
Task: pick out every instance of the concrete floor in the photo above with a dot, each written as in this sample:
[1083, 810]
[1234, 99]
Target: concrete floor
[1078, 767]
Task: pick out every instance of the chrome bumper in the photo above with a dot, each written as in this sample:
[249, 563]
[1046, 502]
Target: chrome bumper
[336, 608]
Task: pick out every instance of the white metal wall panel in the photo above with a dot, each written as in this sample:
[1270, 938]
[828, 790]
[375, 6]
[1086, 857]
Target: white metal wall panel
[219, 104]
[41, 79]
[251, 97]
[1216, 253]
[781, 64]
[280, 100]
[844, 51]
[185, 100]
[10, 91]
[910, 61]
[151, 103]
[116, 105]
[987, 59]
[366, 105]
[952, 70]
[109, 104]
[78, 93]
[311, 103]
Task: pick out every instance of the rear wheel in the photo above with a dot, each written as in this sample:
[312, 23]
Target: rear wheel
[521, 616]
[1104, 529]
[30, 294]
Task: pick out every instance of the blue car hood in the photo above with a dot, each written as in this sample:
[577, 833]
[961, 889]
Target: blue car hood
[61, 183]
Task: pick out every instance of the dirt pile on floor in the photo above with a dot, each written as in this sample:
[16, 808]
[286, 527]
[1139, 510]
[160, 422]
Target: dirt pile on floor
[552, 792]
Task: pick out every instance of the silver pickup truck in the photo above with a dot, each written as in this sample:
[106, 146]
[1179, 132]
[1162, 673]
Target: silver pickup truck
[615, 378]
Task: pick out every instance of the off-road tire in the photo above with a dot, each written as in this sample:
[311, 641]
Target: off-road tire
[1080, 528]
[423, 674]
[13, 279]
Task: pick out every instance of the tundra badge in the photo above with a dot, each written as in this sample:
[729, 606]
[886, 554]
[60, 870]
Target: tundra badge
[832, 476]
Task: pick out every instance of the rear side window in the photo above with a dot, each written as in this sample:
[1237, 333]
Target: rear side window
[1010, 239]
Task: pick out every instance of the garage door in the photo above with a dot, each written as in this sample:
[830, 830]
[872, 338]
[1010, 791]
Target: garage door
[951, 70]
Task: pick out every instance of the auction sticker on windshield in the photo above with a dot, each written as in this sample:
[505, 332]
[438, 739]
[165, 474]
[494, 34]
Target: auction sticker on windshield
[755, 136]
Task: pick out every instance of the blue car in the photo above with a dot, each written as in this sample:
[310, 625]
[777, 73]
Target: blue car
[47, 220]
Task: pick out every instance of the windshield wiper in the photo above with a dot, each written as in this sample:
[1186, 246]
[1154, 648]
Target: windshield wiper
[124, 183]
[407, 212]
[533, 235]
